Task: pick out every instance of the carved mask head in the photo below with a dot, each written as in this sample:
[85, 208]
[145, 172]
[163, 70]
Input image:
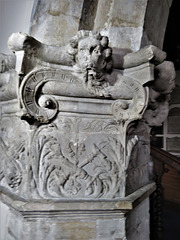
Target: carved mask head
[89, 53]
[92, 51]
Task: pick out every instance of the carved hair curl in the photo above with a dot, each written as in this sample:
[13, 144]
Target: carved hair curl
[106, 50]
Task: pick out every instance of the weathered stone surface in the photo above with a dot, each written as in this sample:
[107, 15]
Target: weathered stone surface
[122, 21]
[160, 92]
[7, 62]
[120, 37]
[76, 154]
[139, 164]
[89, 166]
[55, 21]
[83, 118]
[89, 12]
[88, 227]
[148, 53]
[89, 220]
[138, 222]
[4, 209]
[156, 21]
[8, 77]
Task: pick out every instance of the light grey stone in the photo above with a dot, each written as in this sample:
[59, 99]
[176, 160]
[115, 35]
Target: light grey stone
[55, 21]
[80, 111]
[3, 218]
[92, 220]
[79, 106]
[7, 62]
[160, 94]
[138, 222]
[122, 22]
[147, 54]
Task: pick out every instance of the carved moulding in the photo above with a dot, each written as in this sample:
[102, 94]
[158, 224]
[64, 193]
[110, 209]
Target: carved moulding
[38, 87]
[78, 168]
[81, 113]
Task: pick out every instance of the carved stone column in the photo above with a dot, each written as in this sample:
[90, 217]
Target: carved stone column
[75, 160]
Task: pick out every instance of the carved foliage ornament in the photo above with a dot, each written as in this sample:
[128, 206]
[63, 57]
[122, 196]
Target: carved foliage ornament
[92, 60]
[44, 107]
[72, 169]
[81, 109]
[92, 65]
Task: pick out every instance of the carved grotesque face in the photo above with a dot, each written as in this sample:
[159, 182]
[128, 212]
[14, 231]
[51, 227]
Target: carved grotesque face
[89, 53]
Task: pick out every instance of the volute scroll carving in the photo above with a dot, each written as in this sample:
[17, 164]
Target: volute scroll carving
[42, 108]
[92, 65]
[82, 108]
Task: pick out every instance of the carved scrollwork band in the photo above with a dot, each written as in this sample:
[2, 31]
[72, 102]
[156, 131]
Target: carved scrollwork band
[82, 105]
[89, 74]
[131, 109]
[41, 89]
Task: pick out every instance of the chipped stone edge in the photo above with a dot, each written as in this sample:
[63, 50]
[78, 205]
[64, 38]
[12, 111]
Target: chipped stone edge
[49, 208]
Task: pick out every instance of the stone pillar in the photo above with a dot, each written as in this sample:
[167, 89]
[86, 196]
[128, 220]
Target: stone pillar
[75, 160]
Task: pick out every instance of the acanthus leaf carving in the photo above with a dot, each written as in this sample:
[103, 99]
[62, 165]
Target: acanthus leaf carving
[11, 169]
[91, 57]
[86, 155]
[92, 66]
[73, 169]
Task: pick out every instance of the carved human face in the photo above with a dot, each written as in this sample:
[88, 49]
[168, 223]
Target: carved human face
[89, 53]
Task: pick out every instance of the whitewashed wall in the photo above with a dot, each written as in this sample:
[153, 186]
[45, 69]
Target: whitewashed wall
[14, 17]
